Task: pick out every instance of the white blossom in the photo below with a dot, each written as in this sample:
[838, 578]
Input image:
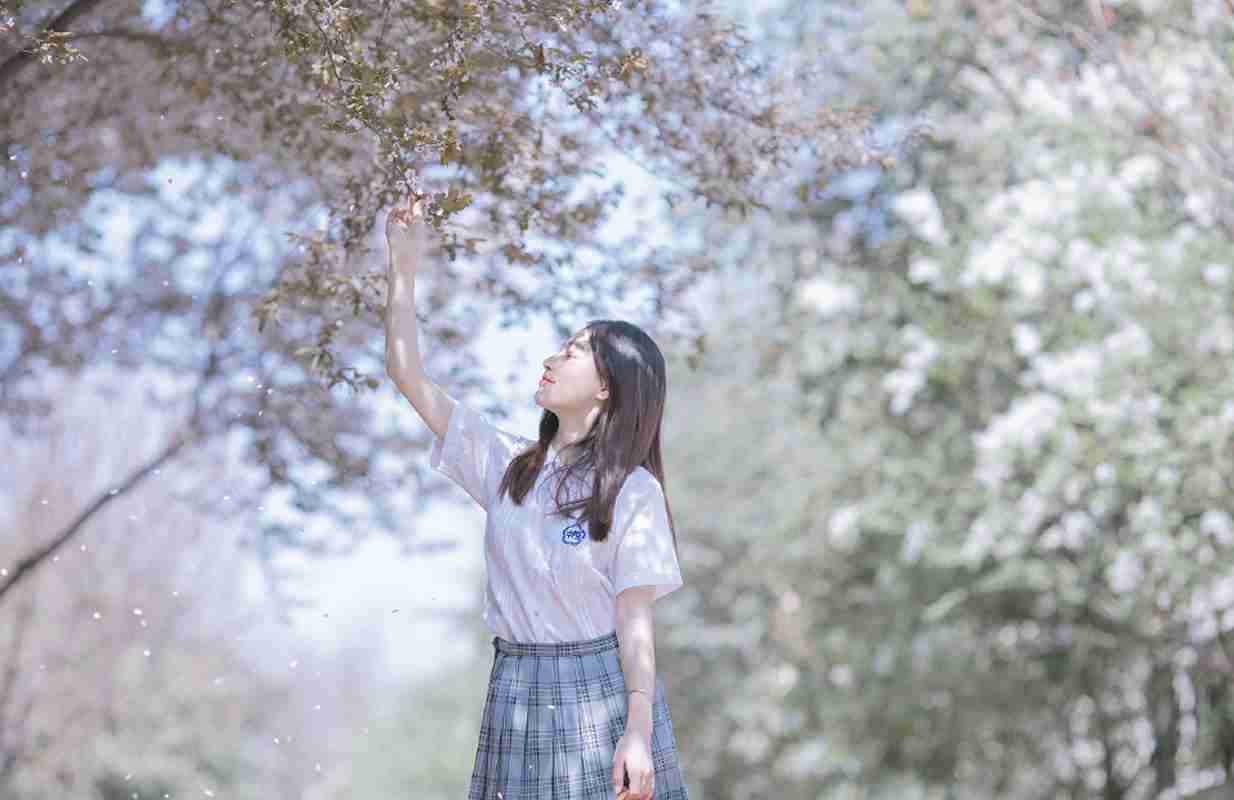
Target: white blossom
[1074, 372]
[1125, 572]
[920, 210]
[827, 297]
[842, 528]
[1026, 338]
[1022, 427]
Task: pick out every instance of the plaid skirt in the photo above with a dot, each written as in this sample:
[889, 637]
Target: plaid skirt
[551, 722]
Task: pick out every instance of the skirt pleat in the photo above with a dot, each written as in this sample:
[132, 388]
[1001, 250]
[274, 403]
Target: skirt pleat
[567, 760]
[593, 742]
[492, 728]
[553, 714]
[542, 709]
[521, 733]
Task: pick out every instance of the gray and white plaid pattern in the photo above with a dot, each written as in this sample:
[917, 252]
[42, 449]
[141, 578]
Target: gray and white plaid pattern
[551, 721]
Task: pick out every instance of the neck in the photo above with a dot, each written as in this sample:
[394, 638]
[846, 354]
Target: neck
[562, 445]
[570, 431]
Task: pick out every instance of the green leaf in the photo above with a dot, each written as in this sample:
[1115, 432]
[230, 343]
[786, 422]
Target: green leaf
[944, 605]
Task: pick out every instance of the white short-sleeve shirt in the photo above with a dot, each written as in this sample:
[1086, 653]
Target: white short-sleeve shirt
[547, 581]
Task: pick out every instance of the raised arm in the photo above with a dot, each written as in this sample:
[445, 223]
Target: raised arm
[405, 243]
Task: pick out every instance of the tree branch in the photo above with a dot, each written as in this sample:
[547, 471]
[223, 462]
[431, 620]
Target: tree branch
[18, 61]
[27, 564]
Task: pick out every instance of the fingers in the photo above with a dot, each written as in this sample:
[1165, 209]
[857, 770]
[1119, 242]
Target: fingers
[644, 791]
[641, 787]
[404, 215]
[618, 771]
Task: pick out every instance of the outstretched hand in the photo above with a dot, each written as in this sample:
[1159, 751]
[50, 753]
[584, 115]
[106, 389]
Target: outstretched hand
[402, 217]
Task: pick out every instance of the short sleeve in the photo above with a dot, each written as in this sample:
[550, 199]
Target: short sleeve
[474, 452]
[643, 542]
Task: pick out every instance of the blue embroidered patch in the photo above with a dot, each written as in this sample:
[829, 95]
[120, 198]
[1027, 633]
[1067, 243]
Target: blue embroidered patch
[573, 533]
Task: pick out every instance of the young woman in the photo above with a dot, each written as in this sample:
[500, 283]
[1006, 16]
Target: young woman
[578, 544]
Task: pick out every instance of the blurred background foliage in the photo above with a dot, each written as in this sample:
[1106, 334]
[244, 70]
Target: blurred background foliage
[999, 566]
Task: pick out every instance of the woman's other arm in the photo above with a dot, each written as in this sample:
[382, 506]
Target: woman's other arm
[404, 241]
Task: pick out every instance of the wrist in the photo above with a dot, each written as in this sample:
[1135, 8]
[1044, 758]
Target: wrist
[638, 718]
[638, 702]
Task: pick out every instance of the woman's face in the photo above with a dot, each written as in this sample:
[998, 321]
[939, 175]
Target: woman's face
[575, 384]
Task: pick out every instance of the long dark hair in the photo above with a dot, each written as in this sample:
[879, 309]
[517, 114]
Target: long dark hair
[625, 436]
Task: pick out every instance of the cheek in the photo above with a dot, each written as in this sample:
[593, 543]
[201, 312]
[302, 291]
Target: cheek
[577, 379]
[580, 381]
